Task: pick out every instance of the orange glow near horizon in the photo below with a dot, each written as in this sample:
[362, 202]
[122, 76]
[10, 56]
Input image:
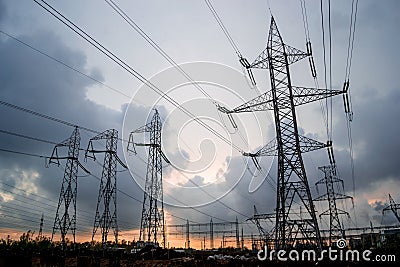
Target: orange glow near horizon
[131, 235]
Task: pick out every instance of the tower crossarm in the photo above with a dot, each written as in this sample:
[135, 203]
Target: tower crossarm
[304, 95]
[307, 144]
[337, 196]
[259, 103]
[270, 149]
[301, 96]
[293, 55]
[144, 129]
[265, 216]
[339, 212]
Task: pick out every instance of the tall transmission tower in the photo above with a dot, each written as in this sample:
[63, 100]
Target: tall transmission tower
[65, 219]
[331, 179]
[394, 207]
[152, 225]
[106, 210]
[283, 98]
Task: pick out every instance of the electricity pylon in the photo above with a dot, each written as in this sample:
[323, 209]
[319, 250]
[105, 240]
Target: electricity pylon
[40, 235]
[283, 98]
[65, 219]
[106, 211]
[330, 178]
[394, 207]
[152, 223]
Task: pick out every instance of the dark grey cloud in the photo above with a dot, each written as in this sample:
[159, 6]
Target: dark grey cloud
[374, 132]
[3, 10]
[37, 83]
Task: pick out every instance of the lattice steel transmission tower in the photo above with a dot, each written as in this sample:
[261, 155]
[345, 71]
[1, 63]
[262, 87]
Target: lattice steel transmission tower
[394, 207]
[283, 98]
[106, 209]
[331, 179]
[40, 235]
[152, 225]
[65, 219]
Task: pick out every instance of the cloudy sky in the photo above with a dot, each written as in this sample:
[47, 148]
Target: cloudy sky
[206, 173]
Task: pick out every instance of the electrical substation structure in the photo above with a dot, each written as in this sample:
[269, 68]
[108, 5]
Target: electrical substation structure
[152, 225]
[289, 145]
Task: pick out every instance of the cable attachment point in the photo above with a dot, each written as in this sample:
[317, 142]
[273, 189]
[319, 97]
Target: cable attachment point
[311, 59]
[330, 153]
[245, 63]
[223, 109]
[253, 158]
[346, 101]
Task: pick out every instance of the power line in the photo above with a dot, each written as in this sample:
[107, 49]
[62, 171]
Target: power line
[325, 67]
[71, 68]
[91, 174]
[23, 153]
[54, 143]
[129, 69]
[50, 203]
[63, 63]
[142, 33]
[101, 165]
[352, 30]
[90, 130]
[224, 29]
[55, 119]
[70, 124]
[120, 191]
[149, 40]
[27, 137]
[12, 106]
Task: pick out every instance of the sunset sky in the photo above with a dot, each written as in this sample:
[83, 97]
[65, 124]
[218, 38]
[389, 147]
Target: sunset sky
[208, 177]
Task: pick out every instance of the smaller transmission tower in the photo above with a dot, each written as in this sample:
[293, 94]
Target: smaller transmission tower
[65, 219]
[256, 219]
[106, 214]
[394, 207]
[41, 227]
[152, 225]
[331, 179]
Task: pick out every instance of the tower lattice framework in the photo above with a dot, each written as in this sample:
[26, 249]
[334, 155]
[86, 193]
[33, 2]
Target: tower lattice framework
[330, 179]
[106, 209]
[65, 220]
[152, 225]
[282, 99]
